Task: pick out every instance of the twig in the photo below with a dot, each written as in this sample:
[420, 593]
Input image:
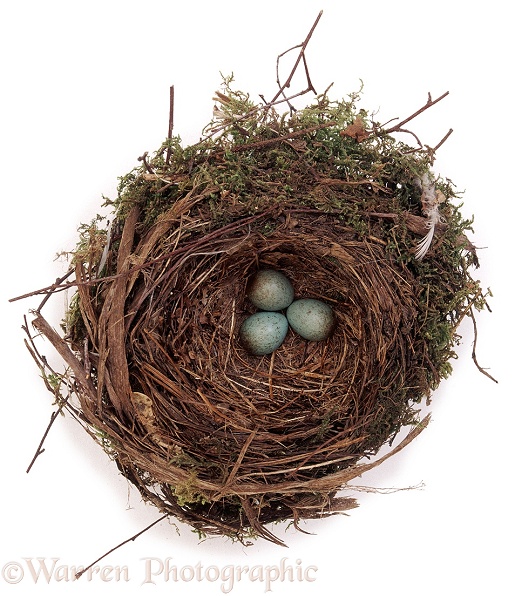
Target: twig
[43, 367]
[437, 146]
[410, 132]
[144, 159]
[430, 102]
[170, 123]
[131, 539]
[300, 57]
[291, 135]
[40, 360]
[276, 100]
[53, 417]
[54, 288]
[49, 290]
[64, 350]
[474, 358]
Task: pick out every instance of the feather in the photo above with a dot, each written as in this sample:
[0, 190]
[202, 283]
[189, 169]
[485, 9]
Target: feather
[107, 246]
[423, 246]
[430, 200]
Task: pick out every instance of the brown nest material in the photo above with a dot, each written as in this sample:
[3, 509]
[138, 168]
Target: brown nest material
[226, 441]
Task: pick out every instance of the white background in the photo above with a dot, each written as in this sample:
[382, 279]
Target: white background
[84, 93]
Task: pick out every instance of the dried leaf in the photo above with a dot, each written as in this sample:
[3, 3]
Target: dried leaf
[356, 130]
[143, 407]
[336, 250]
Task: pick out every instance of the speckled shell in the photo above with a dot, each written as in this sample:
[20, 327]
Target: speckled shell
[312, 319]
[263, 332]
[270, 290]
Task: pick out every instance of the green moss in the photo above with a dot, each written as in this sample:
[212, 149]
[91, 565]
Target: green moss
[187, 493]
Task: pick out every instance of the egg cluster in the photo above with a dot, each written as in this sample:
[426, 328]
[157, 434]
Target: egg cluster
[264, 331]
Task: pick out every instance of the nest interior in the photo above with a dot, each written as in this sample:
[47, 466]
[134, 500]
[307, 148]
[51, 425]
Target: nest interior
[221, 439]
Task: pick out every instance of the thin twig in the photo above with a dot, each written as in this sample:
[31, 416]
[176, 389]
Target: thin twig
[53, 417]
[51, 288]
[131, 539]
[277, 98]
[108, 278]
[43, 367]
[40, 360]
[430, 102]
[170, 124]
[291, 135]
[300, 57]
[438, 145]
[474, 358]
[144, 159]
[410, 132]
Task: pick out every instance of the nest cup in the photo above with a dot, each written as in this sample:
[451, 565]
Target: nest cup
[223, 440]
[233, 441]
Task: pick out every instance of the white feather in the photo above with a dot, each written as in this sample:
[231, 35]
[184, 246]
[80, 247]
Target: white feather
[423, 246]
[103, 260]
[430, 200]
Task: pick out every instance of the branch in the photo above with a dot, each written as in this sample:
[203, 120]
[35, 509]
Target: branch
[300, 57]
[131, 539]
[40, 450]
[276, 99]
[286, 137]
[144, 159]
[430, 102]
[54, 288]
[474, 358]
[43, 367]
[66, 354]
[49, 290]
[438, 145]
[170, 123]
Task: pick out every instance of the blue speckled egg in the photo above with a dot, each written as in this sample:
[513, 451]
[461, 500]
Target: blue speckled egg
[263, 332]
[311, 319]
[270, 290]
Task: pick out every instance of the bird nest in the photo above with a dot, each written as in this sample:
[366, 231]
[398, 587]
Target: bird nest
[211, 434]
